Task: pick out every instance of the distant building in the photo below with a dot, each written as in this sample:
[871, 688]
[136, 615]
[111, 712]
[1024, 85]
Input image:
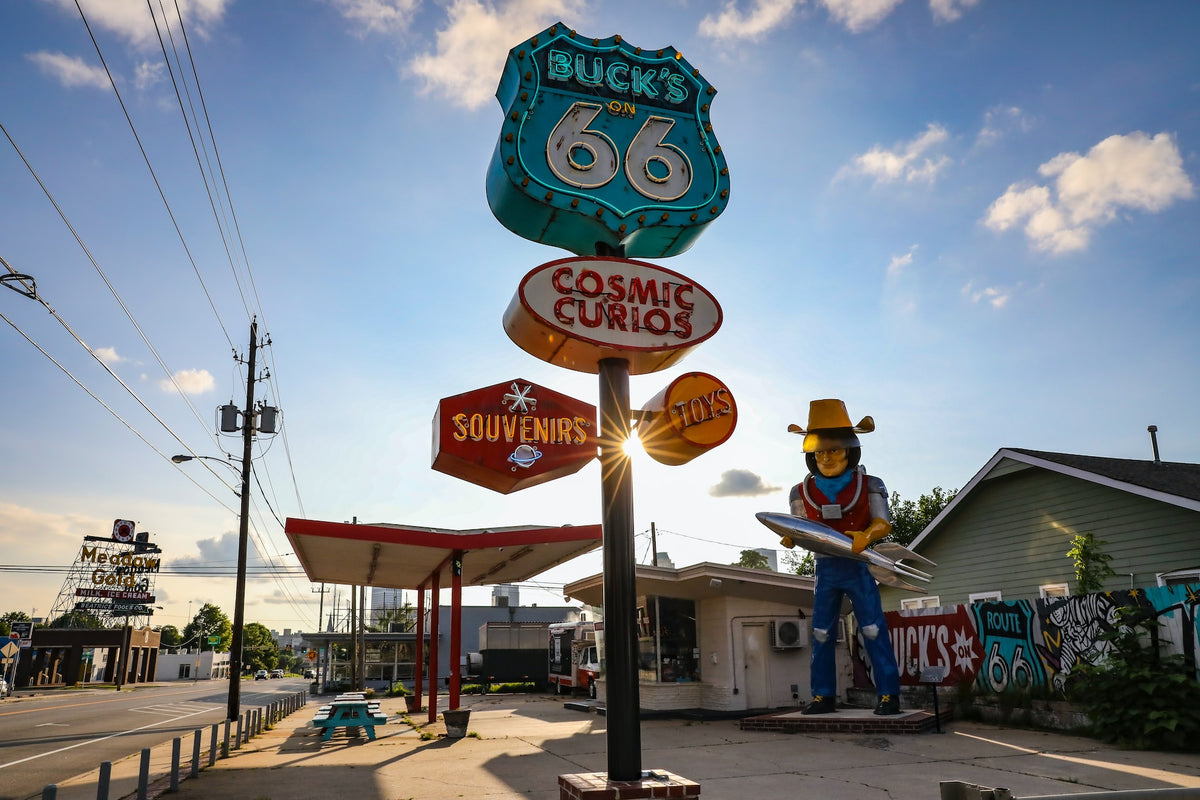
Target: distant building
[386, 604]
[506, 595]
[195, 666]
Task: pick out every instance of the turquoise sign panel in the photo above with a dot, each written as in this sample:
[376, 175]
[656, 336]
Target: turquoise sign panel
[605, 145]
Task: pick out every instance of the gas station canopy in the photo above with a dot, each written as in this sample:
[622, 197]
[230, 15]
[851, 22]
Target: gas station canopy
[407, 557]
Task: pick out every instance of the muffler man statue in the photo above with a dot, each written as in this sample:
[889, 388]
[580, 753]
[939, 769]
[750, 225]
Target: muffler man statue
[839, 493]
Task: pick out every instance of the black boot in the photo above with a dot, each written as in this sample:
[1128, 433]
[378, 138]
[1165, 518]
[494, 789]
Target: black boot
[821, 704]
[889, 704]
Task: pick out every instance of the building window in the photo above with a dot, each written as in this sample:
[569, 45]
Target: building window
[1054, 590]
[1179, 577]
[984, 597]
[913, 603]
[668, 650]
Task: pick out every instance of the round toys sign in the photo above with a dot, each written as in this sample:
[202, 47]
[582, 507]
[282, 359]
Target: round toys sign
[576, 311]
[694, 414]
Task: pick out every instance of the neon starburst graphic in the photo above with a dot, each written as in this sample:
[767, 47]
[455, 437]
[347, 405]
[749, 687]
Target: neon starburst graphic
[964, 651]
[518, 400]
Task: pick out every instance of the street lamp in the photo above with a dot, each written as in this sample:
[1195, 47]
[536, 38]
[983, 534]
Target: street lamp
[239, 603]
[233, 710]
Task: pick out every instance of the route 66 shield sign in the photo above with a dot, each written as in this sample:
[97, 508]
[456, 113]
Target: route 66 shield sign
[605, 145]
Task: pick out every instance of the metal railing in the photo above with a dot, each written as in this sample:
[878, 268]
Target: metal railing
[250, 723]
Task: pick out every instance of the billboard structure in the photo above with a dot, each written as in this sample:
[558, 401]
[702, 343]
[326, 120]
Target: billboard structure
[111, 581]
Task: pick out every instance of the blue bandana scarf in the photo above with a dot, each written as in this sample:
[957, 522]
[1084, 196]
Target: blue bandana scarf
[832, 487]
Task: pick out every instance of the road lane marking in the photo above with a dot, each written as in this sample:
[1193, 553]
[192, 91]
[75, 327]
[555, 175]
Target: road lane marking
[101, 739]
[117, 699]
[176, 708]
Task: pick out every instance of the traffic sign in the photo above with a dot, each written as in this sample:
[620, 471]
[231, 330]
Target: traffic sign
[10, 649]
[312, 655]
[214, 640]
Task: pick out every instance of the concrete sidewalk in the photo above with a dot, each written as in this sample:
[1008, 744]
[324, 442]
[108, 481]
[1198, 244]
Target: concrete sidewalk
[518, 745]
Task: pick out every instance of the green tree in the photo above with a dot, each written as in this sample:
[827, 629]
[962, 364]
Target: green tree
[259, 650]
[169, 636]
[753, 560]
[1091, 563]
[910, 517]
[10, 617]
[84, 620]
[210, 620]
[801, 562]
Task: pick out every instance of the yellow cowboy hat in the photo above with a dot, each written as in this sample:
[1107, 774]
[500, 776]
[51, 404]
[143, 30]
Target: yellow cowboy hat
[829, 423]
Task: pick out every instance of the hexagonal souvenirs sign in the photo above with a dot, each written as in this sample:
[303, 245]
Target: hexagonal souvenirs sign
[512, 435]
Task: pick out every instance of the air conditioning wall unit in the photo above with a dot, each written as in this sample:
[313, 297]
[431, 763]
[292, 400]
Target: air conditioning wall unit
[789, 634]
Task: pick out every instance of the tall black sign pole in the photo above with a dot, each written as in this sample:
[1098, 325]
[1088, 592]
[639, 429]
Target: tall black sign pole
[620, 593]
[239, 601]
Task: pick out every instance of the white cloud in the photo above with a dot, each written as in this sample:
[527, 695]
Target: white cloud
[70, 71]
[108, 355]
[1122, 173]
[378, 16]
[129, 18]
[741, 483]
[909, 161]
[762, 18]
[999, 121]
[949, 10]
[859, 15]
[470, 52]
[148, 74]
[994, 296]
[898, 263]
[190, 381]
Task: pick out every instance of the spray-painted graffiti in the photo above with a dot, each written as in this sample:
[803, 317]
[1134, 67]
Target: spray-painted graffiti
[1071, 632]
[1029, 644]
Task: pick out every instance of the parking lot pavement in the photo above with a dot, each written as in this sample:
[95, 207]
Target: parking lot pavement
[518, 745]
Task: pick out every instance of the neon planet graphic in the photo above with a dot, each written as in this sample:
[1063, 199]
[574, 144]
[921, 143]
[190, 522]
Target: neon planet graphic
[524, 456]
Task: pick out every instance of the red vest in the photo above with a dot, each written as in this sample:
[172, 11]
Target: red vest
[851, 503]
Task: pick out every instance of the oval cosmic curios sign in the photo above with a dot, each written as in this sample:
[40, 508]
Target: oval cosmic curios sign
[693, 414]
[574, 312]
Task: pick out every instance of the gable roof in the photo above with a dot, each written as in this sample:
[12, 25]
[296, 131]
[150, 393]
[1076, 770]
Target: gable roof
[1171, 482]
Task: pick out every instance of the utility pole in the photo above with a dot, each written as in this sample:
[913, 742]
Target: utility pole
[239, 604]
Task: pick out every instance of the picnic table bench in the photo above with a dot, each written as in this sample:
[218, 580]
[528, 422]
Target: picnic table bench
[349, 711]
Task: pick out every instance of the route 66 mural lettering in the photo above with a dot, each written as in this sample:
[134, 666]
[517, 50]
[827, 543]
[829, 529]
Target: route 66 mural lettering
[605, 143]
[1034, 644]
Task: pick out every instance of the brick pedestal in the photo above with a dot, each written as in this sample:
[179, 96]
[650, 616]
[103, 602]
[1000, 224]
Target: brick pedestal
[596, 786]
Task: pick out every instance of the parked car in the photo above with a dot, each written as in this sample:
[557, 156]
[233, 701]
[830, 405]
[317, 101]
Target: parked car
[276, 673]
[261, 675]
[5, 689]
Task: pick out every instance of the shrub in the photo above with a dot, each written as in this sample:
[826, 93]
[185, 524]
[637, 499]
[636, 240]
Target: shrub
[1135, 696]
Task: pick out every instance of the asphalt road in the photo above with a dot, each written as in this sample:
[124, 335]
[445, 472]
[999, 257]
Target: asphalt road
[56, 735]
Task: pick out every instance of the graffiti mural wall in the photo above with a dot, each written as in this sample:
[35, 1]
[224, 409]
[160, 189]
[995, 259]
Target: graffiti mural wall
[1034, 644]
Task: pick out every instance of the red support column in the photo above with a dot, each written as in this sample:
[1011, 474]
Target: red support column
[455, 627]
[419, 673]
[434, 599]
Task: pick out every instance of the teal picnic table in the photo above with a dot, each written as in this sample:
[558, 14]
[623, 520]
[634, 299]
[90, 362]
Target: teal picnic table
[350, 711]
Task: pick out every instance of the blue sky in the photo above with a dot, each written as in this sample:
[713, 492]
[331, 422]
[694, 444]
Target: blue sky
[974, 220]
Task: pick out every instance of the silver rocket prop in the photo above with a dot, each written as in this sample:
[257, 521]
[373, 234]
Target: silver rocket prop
[882, 559]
